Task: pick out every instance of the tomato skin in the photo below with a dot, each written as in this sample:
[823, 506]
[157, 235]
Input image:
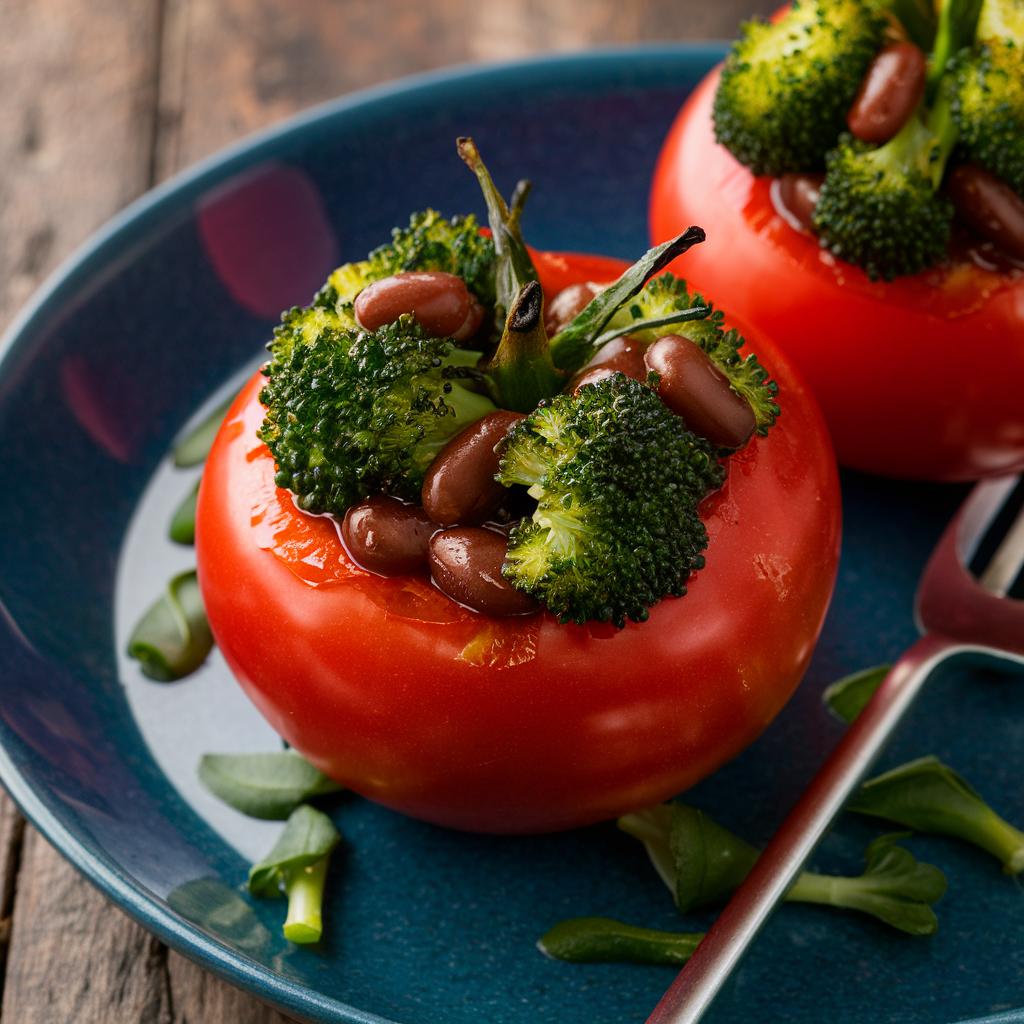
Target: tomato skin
[918, 378]
[521, 725]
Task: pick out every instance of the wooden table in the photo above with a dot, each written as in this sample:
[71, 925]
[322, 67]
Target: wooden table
[99, 101]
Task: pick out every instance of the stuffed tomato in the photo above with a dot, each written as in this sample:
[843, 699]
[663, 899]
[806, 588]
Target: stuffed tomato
[870, 224]
[575, 705]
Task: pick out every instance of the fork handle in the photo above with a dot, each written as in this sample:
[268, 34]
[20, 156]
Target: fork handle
[781, 863]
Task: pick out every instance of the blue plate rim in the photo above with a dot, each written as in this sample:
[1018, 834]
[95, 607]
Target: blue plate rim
[132, 897]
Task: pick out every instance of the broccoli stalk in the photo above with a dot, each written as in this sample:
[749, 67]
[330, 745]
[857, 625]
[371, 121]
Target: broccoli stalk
[879, 208]
[989, 103]
[787, 85]
[956, 26]
[702, 862]
[297, 866]
[617, 478]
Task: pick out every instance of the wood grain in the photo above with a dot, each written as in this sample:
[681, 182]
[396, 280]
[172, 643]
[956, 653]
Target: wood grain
[99, 101]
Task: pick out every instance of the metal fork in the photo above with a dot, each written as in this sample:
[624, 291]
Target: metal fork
[963, 620]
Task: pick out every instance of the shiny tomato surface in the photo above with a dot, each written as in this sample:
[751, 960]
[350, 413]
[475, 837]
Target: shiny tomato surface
[521, 725]
[918, 378]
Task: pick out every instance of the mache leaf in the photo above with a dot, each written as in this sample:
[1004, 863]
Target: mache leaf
[173, 638]
[847, 697]
[586, 940]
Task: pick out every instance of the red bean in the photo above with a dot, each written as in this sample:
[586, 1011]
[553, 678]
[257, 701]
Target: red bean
[565, 306]
[465, 564]
[442, 304]
[387, 536]
[693, 387]
[623, 354]
[459, 486]
[990, 206]
[800, 193]
[889, 94]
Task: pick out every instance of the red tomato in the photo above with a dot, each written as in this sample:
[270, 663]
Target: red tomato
[521, 725]
[918, 378]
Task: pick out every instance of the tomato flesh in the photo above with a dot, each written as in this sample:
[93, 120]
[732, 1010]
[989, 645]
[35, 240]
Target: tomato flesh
[521, 725]
[919, 378]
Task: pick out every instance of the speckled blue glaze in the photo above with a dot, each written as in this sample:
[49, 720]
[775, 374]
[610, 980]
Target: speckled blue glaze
[426, 925]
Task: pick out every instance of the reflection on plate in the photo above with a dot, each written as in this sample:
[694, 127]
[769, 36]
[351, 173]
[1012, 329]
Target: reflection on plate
[150, 322]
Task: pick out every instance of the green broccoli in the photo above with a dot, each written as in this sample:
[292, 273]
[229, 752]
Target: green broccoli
[879, 209]
[989, 106]
[617, 478]
[351, 412]
[667, 294]
[787, 86]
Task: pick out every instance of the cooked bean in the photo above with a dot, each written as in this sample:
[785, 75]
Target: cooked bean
[442, 304]
[465, 564]
[693, 387]
[387, 536]
[889, 94]
[800, 194]
[623, 354]
[565, 306]
[990, 206]
[459, 486]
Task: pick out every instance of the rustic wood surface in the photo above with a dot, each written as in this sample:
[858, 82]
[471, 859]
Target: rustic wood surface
[100, 100]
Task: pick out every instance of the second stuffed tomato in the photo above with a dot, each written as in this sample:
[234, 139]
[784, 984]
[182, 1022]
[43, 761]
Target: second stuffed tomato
[918, 377]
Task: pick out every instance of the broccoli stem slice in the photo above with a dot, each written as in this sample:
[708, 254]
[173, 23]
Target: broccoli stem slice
[513, 267]
[957, 22]
[521, 373]
[571, 346]
[304, 888]
[917, 18]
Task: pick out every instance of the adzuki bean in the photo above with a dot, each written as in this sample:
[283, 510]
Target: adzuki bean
[693, 387]
[459, 486]
[442, 304]
[465, 564]
[990, 206]
[387, 536]
[889, 94]
[566, 305]
[623, 354]
[799, 193]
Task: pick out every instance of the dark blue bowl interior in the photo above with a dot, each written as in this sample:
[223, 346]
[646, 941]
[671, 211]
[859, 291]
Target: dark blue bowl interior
[428, 925]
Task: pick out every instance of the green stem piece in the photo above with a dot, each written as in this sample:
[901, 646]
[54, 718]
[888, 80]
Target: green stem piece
[574, 344]
[521, 372]
[957, 22]
[183, 525]
[173, 638]
[680, 317]
[305, 890]
[929, 796]
[587, 940]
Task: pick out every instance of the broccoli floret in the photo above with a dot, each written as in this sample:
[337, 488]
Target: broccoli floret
[666, 294]
[617, 478]
[430, 242]
[350, 413]
[989, 106]
[786, 87]
[879, 208]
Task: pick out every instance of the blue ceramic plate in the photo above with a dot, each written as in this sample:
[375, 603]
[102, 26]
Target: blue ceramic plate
[147, 324]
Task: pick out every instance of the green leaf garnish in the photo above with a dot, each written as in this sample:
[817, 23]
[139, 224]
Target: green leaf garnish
[194, 448]
[268, 786]
[848, 697]
[928, 796]
[297, 866]
[701, 862]
[586, 940]
[183, 524]
[173, 638]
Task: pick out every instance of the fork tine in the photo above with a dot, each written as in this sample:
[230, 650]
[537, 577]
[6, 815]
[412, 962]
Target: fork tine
[1008, 560]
